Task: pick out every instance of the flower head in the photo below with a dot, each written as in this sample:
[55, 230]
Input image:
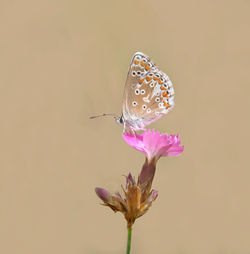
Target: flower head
[155, 145]
[138, 196]
[135, 203]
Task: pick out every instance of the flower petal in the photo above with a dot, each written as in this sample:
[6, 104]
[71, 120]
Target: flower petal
[103, 194]
[136, 141]
[152, 196]
[129, 180]
[154, 145]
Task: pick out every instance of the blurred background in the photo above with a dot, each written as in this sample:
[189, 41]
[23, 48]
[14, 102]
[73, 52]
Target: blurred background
[63, 61]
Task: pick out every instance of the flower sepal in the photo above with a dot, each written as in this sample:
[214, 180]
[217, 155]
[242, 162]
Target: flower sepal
[135, 202]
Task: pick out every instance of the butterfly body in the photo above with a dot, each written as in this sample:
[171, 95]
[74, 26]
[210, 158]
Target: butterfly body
[148, 94]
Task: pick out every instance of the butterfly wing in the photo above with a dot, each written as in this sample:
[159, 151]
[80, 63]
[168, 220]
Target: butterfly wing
[148, 93]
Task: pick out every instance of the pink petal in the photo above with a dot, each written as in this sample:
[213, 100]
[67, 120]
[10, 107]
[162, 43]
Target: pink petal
[134, 141]
[152, 197]
[154, 144]
[129, 180]
[103, 194]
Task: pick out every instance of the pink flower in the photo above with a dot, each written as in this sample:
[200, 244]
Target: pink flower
[155, 145]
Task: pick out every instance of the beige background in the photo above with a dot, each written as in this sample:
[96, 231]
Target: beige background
[62, 61]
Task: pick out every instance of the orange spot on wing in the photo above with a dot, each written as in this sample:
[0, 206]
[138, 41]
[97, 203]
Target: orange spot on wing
[155, 78]
[140, 81]
[160, 82]
[147, 67]
[136, 62]
[142, 63]
[165, 94]
[166, 105]
[148, 78]
[163, 88]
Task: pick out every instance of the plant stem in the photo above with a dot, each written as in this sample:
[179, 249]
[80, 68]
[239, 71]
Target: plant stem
[129, 239]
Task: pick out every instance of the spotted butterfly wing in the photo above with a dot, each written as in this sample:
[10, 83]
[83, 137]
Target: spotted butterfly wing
[148, 94]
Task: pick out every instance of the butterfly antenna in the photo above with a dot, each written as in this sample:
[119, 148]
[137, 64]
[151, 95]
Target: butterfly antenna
[93, 117]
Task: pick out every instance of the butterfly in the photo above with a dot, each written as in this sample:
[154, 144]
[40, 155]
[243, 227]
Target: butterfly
[148, 95]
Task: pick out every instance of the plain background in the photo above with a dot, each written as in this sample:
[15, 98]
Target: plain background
[63, 61]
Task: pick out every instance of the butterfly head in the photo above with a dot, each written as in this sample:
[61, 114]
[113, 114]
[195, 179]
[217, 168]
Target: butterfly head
[119, 120]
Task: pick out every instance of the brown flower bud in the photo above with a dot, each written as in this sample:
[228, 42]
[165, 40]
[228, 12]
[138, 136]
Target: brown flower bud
[138, 197]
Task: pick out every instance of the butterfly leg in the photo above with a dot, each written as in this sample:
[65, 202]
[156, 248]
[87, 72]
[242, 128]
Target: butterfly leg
[124, 127]
[133, 132]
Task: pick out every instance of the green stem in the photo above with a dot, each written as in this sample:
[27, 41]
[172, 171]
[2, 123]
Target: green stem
[129, 240]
